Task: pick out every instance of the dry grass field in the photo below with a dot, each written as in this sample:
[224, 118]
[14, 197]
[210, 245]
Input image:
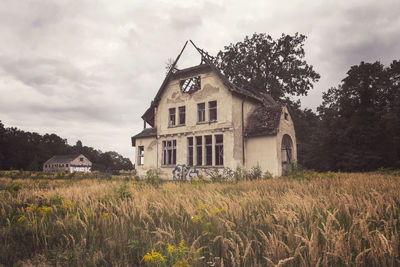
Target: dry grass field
[333, 219]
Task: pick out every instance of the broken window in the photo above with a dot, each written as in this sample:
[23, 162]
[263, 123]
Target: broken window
[182, 115]
[190, 85]
[212, 110]
[190, 151]
[199, 150]
[201, 112]
[141, 155]
[219, 149]
[171, 117]
[208, 145]
[286, 116]
[169, 152]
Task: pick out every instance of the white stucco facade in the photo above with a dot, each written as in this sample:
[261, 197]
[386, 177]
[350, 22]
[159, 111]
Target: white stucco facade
[233, 118]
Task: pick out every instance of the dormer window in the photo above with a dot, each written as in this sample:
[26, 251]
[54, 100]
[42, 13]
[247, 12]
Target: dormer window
[190, 85]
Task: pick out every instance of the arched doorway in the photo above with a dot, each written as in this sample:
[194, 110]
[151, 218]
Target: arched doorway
[286, 153]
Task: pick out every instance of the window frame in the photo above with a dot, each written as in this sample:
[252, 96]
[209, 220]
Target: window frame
[169, 152]
[171, 117]
[201, 112]
[140, 160]
[180, 109]
[219, 150]
[199, 151]
[212, 110]
[208, 150]
[190, 156]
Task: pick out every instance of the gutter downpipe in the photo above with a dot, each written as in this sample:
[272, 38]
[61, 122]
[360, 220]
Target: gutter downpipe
[155, 125]
[243, 152]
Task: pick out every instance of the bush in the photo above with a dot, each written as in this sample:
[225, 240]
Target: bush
[255, 173]
[152, 177]
[123, 192]
[267, 175]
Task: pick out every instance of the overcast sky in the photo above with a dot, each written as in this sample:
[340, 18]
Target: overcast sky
[88, 70]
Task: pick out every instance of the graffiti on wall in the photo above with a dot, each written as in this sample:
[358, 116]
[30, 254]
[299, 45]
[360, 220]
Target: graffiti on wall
[184, 173]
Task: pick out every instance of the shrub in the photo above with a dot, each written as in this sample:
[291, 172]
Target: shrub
[123, 192]
[267, 175]
[152, 177]
[255, 173]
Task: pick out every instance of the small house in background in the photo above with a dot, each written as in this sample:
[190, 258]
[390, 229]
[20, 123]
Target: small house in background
[68, 163]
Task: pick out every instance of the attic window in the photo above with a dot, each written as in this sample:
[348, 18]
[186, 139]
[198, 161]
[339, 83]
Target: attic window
[190, 85]
[286, 116]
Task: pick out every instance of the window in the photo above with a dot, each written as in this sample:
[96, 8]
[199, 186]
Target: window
[201, 112]
[169, 152]
[66, 165]
[171, 117]
[208, 145]
[190, 85]
[199, 151]
[286, 116]
[219, 149]
[212, 110]
[80, 159]
[141, 155]
[190, 151]
[182, 115]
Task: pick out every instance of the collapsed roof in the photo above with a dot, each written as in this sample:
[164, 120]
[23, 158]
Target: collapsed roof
[264, 120]
[206, 62]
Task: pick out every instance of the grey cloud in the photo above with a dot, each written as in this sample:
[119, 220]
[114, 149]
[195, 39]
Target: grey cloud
[43, 73]
[91, 68]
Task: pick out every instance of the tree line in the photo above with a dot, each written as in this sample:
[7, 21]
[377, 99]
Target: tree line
[21, 150]
[356, 127]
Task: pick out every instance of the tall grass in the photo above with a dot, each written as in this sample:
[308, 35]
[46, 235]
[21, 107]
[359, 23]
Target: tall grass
[330, 220]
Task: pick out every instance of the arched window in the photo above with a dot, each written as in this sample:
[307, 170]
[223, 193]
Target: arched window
[287, 152]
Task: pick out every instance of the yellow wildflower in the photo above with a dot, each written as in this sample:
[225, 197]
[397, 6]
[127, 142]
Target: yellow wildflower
[170, 248]
[153, 257]
[44, 210]
[32, 208]
[106, 214]
[21, 219]
[201, 207]
[223, 209]
[66, 204]
[196, 218]
[214, 210]
[182, 263]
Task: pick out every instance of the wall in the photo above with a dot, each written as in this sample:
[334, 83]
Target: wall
[286, 127]
[261, 150]
[212, 89]
[150, 155]
[248, 107]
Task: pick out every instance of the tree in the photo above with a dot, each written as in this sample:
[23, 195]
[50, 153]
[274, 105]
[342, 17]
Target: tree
[276, 67]
[361, 119]
[28, 151]
[272, 66]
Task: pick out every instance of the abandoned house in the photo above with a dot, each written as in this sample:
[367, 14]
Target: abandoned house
[200, 120]
[68, 163]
